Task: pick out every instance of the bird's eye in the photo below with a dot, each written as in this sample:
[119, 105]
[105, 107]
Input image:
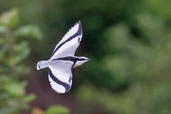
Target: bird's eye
[70, 79]
[79, 39]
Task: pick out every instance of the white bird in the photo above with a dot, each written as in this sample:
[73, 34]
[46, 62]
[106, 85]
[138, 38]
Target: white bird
[63, 60]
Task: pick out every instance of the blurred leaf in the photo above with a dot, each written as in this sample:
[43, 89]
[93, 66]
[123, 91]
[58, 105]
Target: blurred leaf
[28, 31]
[3, 29]
[21, 70]
[29, 98]
[118, 37]
[21, 52]
[16, 89]
[161, 7]
[4, 80]
[57, 110]
[9, 19]
[1, 40]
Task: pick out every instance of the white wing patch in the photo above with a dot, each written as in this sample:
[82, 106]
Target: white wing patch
[60, 76]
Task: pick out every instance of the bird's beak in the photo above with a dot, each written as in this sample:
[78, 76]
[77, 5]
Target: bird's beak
[90, 59]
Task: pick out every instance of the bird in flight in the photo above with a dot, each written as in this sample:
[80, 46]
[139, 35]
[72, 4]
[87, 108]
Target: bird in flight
[63, 60]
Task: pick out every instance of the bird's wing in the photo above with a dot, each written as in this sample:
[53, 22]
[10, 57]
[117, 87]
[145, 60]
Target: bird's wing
[60, 75]
[69, 43]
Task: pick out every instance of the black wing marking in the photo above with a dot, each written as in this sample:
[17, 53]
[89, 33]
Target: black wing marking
[65, 85]
[79, 32]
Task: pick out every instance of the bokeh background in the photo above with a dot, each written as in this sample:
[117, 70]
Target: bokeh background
[128, 40]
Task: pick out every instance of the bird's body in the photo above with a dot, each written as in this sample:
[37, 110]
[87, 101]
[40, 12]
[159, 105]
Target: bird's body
[63, 60]
[76, 61]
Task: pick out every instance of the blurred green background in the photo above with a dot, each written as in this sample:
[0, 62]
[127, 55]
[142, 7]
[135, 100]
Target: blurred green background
[128, 40]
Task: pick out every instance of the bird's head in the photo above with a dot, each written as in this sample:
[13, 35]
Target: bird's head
[80, 61]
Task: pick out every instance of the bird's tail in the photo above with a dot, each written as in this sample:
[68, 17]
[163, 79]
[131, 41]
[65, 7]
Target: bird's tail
[42, 64]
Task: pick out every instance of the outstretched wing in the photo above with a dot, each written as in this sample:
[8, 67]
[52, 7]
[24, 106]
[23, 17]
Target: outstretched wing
[60, 75]
[69, 43]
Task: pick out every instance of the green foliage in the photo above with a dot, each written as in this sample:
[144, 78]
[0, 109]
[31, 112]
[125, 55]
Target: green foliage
[140, 60]
[57, 109]
[13, 69]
